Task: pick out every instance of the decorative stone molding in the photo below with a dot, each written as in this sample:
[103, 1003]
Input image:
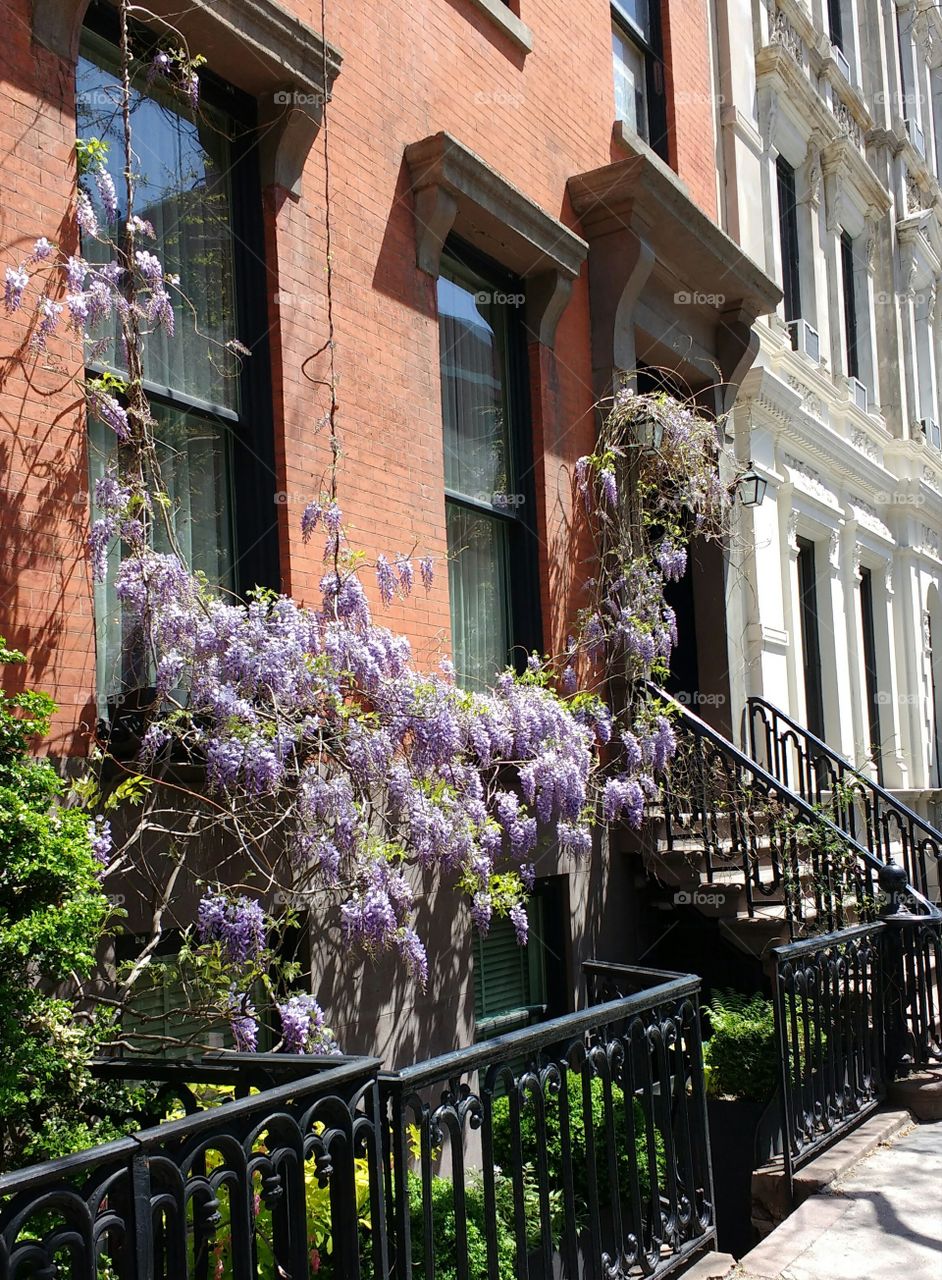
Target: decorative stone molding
[807, 479]
[455, 191]
[928, 542]
[834, 548]
[812, 175]
[915, 200]
[847, 123]
[856, 566]
[639, 219]
[256, 45]
[860, 440]
[791, 532]
[782, 32]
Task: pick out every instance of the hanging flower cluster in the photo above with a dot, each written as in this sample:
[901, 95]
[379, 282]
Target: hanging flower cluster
[379, 768]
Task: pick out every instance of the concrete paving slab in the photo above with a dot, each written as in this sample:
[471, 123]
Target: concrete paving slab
[883, 1219]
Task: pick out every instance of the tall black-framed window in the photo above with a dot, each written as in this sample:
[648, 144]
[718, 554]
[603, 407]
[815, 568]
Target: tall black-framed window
[836, 23]
[851, 331]
[810, 636]
[492, 566]
[638, 66]
[788, 239]
[198, 186]
[871, 680]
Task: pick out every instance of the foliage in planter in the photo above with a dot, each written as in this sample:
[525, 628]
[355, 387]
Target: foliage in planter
[740, 1057]
[52, 912]
[503, 1145]
[444, 1235]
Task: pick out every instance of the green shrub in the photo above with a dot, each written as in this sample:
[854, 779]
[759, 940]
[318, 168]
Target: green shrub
[52, 911]
[741, 1057]
[444, 1233]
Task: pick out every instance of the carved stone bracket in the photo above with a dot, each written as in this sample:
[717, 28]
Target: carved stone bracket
[455, 191]
[257, 45]
[640, 222]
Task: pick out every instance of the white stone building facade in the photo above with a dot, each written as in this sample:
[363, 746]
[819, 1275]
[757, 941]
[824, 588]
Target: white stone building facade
[829, 128]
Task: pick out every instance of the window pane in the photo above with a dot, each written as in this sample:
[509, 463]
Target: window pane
[477, 583]
[638, 13]
[630, 92]
[195, 467]
[182, 168]
[472, 329]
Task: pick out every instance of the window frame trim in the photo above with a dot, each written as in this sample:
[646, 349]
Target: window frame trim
[251, 427]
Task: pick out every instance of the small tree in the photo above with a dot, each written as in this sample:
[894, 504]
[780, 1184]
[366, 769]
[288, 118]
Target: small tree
[52, 913]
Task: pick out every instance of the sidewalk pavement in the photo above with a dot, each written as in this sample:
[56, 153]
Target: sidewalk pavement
[882, 1220]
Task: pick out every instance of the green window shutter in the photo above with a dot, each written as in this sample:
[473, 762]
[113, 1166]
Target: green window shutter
[509, 980]
[155, 1010]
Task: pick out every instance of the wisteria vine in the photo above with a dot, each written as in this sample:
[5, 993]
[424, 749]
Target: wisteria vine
[337, 774]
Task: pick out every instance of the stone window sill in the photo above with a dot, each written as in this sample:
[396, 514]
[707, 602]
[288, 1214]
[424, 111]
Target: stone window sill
[502, 16]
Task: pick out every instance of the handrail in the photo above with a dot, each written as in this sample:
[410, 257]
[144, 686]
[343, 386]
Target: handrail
[823, 748]
[781, 790]
[815, 748]
[516, 1044]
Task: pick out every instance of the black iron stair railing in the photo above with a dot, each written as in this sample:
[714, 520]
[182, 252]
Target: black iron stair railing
[858, 805]
[787, 853]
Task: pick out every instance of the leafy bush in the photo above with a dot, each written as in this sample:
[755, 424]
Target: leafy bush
[741, 1058]
[444, 1235]
[503, 1149]
[52, 911]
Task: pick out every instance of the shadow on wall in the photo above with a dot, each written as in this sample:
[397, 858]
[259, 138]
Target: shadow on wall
[376, 1007]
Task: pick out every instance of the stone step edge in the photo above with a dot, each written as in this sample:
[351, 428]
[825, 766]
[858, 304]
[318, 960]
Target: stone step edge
[771, 1203]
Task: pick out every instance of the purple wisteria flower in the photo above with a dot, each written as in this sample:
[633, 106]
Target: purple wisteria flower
[49, 313]
[406, 574]
[15, 281]
[303, 1027]
[107, 193]
[672, 561]
[623, 797]
[103, 406]
[310, 519]
[42, 250]
[427, 572]
[237, 923]
[243, 1022]
[141, 227]
[160, 65]
[385, 580]
[99, 833]
[85, 214]
[150, 267]
[608, 485]
[521, 922]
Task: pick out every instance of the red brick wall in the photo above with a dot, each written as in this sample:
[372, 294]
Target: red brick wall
[45, 589]
[690, 98]
[409, 70]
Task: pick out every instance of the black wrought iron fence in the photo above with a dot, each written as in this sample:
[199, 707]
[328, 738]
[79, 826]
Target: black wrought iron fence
[828, 994]
[854, 1009]
[575, 1148]
[275, 1184]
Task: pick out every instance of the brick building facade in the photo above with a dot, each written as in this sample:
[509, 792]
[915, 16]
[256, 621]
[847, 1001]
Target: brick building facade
[502, 139]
